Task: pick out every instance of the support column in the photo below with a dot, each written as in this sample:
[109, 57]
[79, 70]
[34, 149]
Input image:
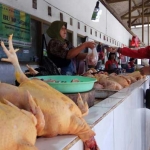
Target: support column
[148, 28]
[129, 24]
[143, 21]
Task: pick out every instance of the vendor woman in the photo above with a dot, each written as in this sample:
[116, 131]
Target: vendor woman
[111, 65]
[61, 52]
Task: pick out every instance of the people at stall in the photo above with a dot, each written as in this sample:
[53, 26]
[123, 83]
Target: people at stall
[61, 51]
[111, 65]
[131, 65]
[138, 53]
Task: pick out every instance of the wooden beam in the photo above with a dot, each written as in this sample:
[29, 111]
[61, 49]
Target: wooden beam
[113, 12]
[140, 16]
[129, 25]
[137, 18]
[135, 6]
[138, 24]
[115, 1]
[148, 29]
[139, 7]
[133, 9]
[143, 21]
[137, 10]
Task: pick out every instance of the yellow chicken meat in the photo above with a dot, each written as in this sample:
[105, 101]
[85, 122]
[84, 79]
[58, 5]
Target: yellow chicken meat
[61, 114]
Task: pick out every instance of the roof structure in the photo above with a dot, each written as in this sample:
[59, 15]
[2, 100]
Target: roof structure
[129, 12]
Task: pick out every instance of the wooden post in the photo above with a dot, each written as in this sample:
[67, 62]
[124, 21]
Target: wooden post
[129, 24]
[148, 29]
[143, 21]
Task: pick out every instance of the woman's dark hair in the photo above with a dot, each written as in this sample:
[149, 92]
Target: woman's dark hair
[131, 59]
[110, 54]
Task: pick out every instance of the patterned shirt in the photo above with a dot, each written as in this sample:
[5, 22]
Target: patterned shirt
[57, 51]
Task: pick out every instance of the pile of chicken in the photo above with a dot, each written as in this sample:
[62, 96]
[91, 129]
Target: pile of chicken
[56, 114]
[113, 81]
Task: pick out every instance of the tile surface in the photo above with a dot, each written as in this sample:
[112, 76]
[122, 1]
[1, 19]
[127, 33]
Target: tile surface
[55, 143]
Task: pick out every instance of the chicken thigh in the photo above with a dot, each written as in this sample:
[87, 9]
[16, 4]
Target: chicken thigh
[17, 128]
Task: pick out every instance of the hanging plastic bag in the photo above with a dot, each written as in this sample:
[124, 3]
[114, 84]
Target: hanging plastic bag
[92, 57]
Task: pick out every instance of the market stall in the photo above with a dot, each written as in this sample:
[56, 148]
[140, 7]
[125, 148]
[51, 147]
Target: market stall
[117, 120]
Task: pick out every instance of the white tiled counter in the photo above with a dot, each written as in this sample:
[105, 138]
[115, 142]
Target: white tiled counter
[120, 123]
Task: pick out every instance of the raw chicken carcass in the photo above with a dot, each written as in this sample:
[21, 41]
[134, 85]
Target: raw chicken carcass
[17, 128]
[130, 79]
[107, 83]
[119, 79]
[61, 114]
[136, 74]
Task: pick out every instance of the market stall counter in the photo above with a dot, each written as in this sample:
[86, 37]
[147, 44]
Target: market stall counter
[117, 121]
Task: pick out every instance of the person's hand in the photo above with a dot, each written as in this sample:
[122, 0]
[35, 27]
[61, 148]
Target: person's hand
[111, 49]
[145, 70]
[90, 44]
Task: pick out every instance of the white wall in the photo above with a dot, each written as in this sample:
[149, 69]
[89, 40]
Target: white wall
[138, 32]
[80, 11]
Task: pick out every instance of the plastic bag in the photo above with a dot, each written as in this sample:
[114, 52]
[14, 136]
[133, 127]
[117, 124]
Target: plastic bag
[92, 57]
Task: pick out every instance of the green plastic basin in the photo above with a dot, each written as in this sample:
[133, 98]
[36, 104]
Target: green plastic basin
[84, 84]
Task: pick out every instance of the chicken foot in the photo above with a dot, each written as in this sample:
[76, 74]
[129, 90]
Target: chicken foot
[12, 58]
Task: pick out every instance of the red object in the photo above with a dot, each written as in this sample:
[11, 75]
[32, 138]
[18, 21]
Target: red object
[120, 56]
[135, 41]
[101, 55]
[139, 53]
[131, 64]
[109, 63]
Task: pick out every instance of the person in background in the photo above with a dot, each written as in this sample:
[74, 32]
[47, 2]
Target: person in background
[131, 65]
[61, 51]
[139, 53]
[111, 65]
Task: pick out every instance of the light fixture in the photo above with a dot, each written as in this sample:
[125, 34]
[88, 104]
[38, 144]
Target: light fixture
[96, 13]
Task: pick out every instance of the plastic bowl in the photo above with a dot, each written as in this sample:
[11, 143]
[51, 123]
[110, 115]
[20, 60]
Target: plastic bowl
[84, 84]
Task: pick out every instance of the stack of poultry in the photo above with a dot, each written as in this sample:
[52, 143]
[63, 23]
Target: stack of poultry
[113, 81]
[61, 114]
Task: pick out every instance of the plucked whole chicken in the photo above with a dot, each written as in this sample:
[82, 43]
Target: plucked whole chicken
[61, 114]
[113, 81]
[17, 128]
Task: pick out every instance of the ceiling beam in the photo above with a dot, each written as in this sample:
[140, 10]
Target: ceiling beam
[139, 24]
[113, 12]
[135, 17]
[134, 9]
[137, 10]
[138, 7]
[115, 1]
